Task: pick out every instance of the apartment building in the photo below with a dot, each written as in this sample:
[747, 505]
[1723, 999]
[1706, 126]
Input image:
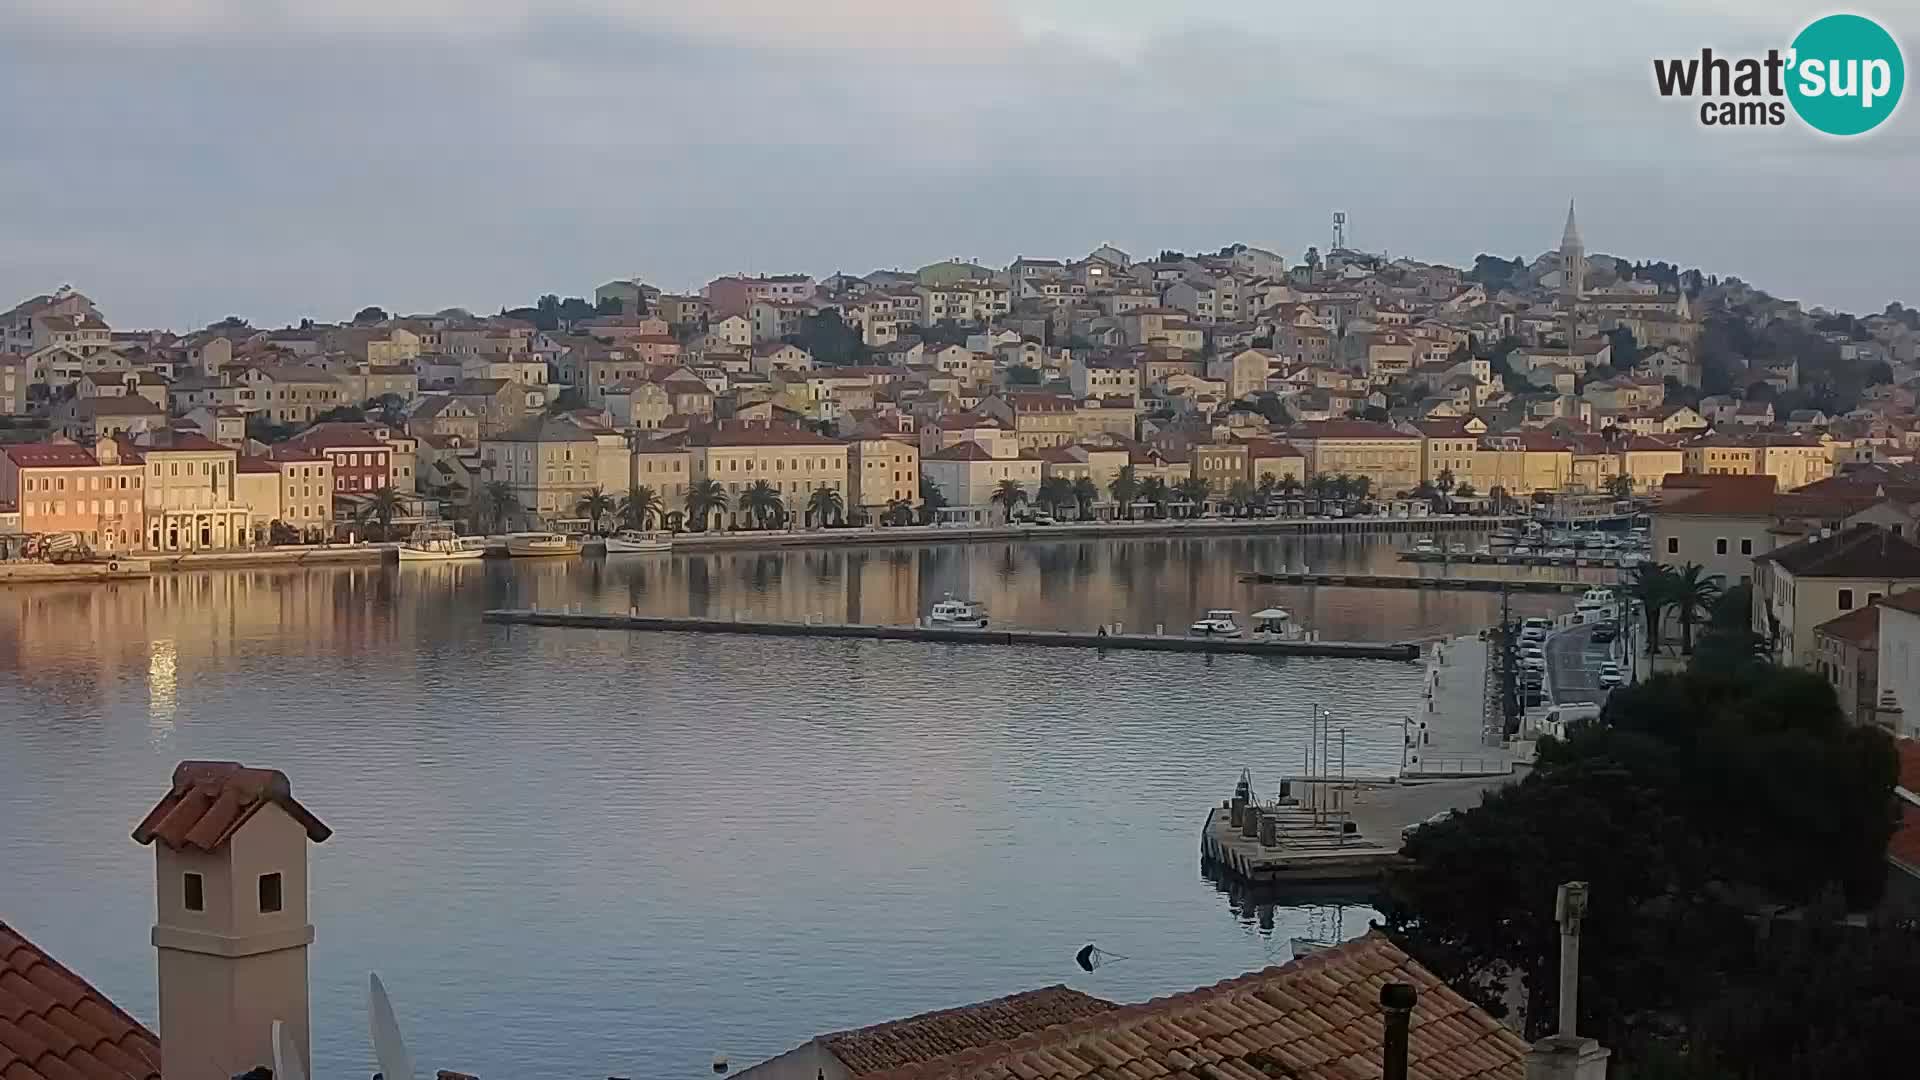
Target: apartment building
[63, 487]
[1390, 458]
[797, 462]
[881, 469]
[1805, 584]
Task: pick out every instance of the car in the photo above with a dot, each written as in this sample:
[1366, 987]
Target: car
[1534, 663]
[1407, 833]
[1605, 632]
[1610, 676]
[1532, 650]
[1532, 636]
[1536, 623]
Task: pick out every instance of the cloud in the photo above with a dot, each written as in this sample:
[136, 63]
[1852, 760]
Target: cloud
[182, 160]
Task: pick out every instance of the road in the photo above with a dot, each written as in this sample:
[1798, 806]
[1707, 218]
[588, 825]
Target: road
[1573, 665]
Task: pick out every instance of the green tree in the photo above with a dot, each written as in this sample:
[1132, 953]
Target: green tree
[1085, 493]
[495, 507]
[1444, 484]
[597, 507]
[1465, 490]
[1620, 486]
[932, 501]
[1195, 491]
[1240, 496]
[1022, 375]
[368, 315]
[1054, 492]
[762, 503]
[704, 499]
[640, 507]
[1125, 489]
[898, 512]
[825, 506]
[1155, 491]
[1692, 593]
[1651, 586]
[1289, 486]
[1008, 495]
[381, 508]
[1360, 488]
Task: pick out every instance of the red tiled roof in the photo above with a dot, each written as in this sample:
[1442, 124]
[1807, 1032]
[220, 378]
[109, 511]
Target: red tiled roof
[54, 1026]
[254, 465]
[1859, 627]
[1318, 1018]
[964, 450]
[757, 433]
[50, 456]
[1345, 429]
[330, 435]
[211, 800]
[918, 1039]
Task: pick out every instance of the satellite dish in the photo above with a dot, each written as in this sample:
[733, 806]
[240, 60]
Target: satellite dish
[1090, 957]
[389, 1050]
[286, 1056]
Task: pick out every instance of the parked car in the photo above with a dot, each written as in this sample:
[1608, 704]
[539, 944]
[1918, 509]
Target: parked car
[1610, 676]
[1605, 632]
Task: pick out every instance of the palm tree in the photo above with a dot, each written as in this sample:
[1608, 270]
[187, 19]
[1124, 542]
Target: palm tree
[1125, 489]
[762, 503]
[381, 507]
[596, 506]
[898, 512]
[1194, 490]
[825, 506]
[1085, 494]
[1692, 593]
[704, 499]
[1652, 587]
[1289, 486]
[496, 505]
[1055, 492]
[1498, 496]
[932, 499]
[1444, 484]
[1155, 491]
[1360, 488]
[640, 506]
[1241, 494]
[1008, 495]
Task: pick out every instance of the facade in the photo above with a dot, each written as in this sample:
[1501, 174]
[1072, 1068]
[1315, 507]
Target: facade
[1039, 421]
[797, 462]
[1802, 585]
[969, 472]
[362, 461]
[881, 470]
[306, 490]
[1846, 655]
[1721, 523]
[193, 501]
[552, 463]
[63, 487]
[1898, 656]
[1386, 456]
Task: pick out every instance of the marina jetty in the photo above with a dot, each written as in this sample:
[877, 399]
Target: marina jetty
[43, 573]
[1251, 646]
[1602, 562]
[1411, 581]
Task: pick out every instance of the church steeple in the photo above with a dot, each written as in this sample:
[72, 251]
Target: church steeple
[1570, 239]
[1573, 264]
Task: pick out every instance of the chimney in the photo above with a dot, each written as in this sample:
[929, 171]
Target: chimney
[230, 923]
[1397, 999]
[1566, 1055]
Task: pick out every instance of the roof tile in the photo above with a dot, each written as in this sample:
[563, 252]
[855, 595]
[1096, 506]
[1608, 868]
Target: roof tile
[210, 800]
[54, 1026]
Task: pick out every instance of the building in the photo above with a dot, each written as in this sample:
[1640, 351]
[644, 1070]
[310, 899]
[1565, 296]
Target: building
[63, 487]
[734, 294]
[286, 394]
[193, 499]
[362, 460]
[1800, 586]
[737, 453]
[306, 490]
[89, 419]
[1384, 455]
[1898, 679]
[552, 463]
[1039, 420]
[967, 474]
[1846, 655]
[1720, 522]
[882, 469]
[1316, 1018]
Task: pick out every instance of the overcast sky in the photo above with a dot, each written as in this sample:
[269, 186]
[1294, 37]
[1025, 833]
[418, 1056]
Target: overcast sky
[182, 160]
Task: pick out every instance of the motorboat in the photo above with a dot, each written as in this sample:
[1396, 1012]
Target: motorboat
[1219, 622]
[1275, 622]
[524, 545]
[631, 541]
[1456, 549]
[443, 549]
[954, 614]
[1426, 546]
[1505, 535]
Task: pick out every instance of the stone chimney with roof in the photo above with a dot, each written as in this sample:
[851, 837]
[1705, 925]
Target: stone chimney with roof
[230, 862]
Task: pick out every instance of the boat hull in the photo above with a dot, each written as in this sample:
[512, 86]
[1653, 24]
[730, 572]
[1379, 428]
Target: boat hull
[636, 547]
[416, 555]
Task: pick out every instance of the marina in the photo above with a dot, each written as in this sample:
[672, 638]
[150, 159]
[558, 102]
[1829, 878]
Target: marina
[956, 635]
[1495, 558]
[1409, 581]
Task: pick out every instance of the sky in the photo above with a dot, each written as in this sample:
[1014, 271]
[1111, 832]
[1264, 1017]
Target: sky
[185, 160]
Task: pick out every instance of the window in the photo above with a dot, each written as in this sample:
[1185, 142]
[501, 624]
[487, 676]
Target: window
[1720, 546]
[269, 893]
[1746, 546]
[1846, 599]
[1673, 545]
[195, 897]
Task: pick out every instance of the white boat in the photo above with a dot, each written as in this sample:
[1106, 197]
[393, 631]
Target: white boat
[1219, 622]
[951, 614]
[443, 549]
[628, 541]
[1275, 622]
[1426, 546]
[532, 544]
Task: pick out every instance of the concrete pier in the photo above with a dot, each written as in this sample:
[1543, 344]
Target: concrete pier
[1595, 562]
[1246, 646]
[1408, 581]
[1294, 846]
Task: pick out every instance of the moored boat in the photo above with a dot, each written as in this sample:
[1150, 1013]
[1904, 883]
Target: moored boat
[630, 541]
[954, 614]
[1219, 622]
[537, 544]
[443, 549]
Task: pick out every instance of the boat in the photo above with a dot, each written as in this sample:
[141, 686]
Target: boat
[1426, 546]
[954, 614]
[628, 541]
[1276, 622]
[1456, 549]
[443, 549]
[1506, 536]
[534, 544]
[1219, 622]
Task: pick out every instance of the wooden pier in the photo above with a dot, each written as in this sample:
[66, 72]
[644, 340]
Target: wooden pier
[1410, 581]
[1247, 646]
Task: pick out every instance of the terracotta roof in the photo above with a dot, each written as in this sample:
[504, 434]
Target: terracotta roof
[1345, 429]
[254, 465]
[54, 1026]
[1904, 846]
[757, 433]
[50, 455]
[211, 800]
[918, 1039]
[1726, 500]
[1860, 551]
[1859, 627]
[337, 434]
[1318, 1018]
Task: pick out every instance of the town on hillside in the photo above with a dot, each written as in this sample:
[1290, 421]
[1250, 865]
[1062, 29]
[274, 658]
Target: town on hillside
[1100, 387]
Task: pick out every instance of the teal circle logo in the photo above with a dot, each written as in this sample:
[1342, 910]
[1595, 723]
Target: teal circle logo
[1846, 75]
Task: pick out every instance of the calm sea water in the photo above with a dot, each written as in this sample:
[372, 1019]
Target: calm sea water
[585, 854]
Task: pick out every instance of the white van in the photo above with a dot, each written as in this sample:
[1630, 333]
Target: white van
[1561, 715]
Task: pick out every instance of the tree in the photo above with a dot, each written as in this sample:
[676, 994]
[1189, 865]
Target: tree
[1651, 586]
[830, 340]
[1620, 486]
[825, 506]
[1692, 593]
[1466, 490]
[898, 512]
[1085, 493]
[610, 305]
[639, 507]
[1008, 495]
[1880, 373]
[1626, 351]
[1022, 375]
[1360, 488]
[1054, 493]
[1194, 491]
[494, 507]
[1289, 486]
[279, 532]
[1444, 484]
[368, 315]
[1155, 491]
[704, 499]
[762, 503]
[596, 506]
[932, 501]
[381, 508]
[1124, 489]
[1240, 496]
[349, 414]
